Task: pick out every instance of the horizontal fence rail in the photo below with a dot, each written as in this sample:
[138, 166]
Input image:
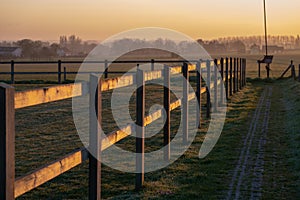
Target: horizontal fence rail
[233, 73]
[62, 71]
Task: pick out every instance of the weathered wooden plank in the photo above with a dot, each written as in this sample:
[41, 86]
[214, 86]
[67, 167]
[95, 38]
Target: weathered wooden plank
[117, 136]
[48, 94]
[7, 142]
[203, 90]
[113, 83]
[192, 67]
[42, 175]
[176, 70]
[152, 75]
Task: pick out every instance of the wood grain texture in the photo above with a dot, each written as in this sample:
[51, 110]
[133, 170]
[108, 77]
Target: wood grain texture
[42, 175]
[48, 94]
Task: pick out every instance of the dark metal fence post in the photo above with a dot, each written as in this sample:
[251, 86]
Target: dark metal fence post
[231, 78]
[7, 142]
[208, 106]
[222, 82]
[185, 102]
[152, 64]
[299, 73]
[215, 106]
[198, 92]
[241, 73]
[95, 138]
[226, 79]
[245, 71]
[12, 72]
[140, 129]
[167, 125]
[237, 74]
[105, 69]
[59, 71]
[234, 75]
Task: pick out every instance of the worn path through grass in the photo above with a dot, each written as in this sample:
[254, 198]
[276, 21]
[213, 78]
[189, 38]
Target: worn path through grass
[268, 164]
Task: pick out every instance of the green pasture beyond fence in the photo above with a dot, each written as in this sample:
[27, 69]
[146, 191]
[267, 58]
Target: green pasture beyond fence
[233, 75]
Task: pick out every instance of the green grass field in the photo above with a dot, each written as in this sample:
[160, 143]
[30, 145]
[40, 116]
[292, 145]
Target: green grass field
[43, 135]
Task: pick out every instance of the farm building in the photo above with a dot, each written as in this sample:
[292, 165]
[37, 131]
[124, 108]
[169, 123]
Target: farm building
[255, 49]
[11, 51]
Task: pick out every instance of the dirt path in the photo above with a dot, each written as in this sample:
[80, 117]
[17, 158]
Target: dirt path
[247, 177]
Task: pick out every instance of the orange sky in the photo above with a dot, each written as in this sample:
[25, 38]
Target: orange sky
[99, 19]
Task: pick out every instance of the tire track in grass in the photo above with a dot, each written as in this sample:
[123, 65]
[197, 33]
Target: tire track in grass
[240, 169]
[259, 163]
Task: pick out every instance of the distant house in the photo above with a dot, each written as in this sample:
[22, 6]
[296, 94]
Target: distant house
[255, 49]
[11, 51]
[273, 49]
[62, 52]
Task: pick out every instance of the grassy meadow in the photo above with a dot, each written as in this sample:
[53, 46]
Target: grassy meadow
[43, 135]
[47, 132]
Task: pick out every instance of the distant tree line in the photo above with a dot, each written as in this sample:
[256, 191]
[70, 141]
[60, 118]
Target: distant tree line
[74, 46]
[36, 49]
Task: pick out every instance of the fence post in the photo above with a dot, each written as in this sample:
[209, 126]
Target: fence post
[241, 72]
[185, 102]
[234, 74]
[222, 83]
[293, 72]
[59, 71]
[198, 92]
[237, 74]
[215, 85]
[167, 125]
[105, 69]
[95, 138]
[152, 64]
[140, 129]
[231, 78]
[258, 69]
[226, 78]
[12, 72]
[65, 74]
[7, 142]
[208, 106]
[245, 71]
[299, 73]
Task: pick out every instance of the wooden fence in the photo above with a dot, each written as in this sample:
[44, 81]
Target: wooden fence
[293, 71]
[233, 72]
[61, 71]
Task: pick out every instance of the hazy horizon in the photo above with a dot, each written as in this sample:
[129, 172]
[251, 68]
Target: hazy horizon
[99, 41]
[95, 20]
